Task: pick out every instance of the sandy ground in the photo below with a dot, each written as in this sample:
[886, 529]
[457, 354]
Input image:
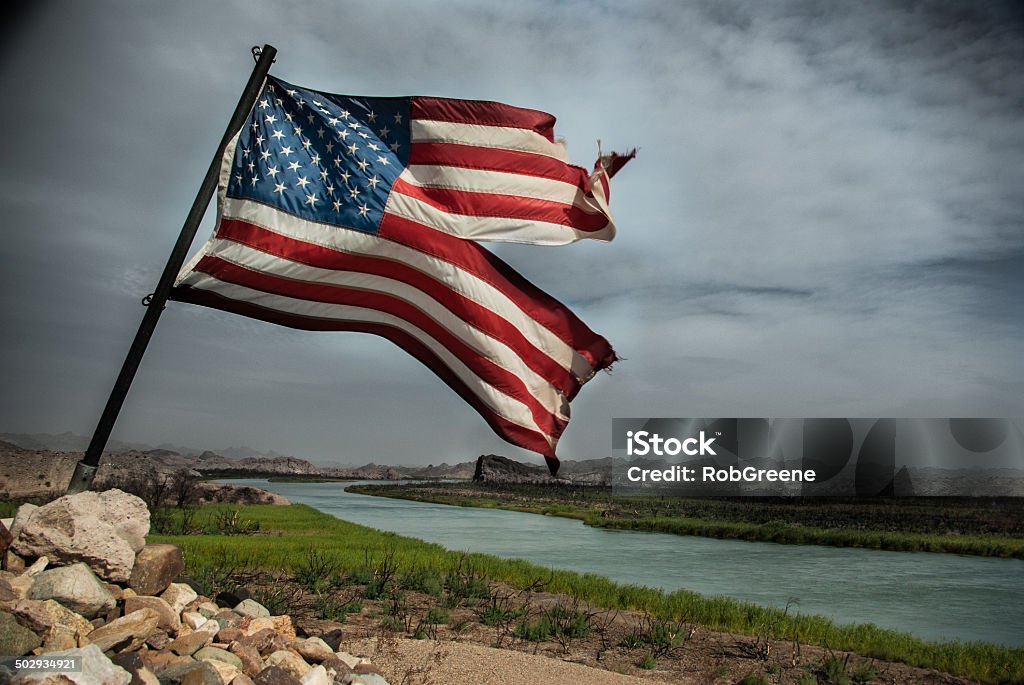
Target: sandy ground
[423, 662]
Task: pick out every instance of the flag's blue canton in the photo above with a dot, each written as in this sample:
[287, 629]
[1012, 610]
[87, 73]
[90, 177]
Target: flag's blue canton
[327, 158]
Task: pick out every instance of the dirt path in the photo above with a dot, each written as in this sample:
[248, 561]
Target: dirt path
[418, 662]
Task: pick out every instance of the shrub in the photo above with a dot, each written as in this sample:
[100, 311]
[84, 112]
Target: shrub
[424, 580]
[648, 662]
[437, 615]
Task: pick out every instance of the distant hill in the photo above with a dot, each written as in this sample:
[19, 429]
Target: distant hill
[72, 442]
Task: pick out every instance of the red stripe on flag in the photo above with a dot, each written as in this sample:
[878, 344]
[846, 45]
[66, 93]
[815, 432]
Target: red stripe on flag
[514, 433]
[494, 159]
[503, 380]
[484, 113]
[535, 303]
[468, 203]
[461, 306]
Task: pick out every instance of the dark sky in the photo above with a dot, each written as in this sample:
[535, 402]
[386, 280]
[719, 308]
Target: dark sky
[826, 217]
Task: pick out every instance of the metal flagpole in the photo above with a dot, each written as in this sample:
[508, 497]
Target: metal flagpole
[85, 470]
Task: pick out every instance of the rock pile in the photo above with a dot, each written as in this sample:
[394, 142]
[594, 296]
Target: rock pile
[79, 580]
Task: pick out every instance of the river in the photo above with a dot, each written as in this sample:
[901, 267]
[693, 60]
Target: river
[933, 596]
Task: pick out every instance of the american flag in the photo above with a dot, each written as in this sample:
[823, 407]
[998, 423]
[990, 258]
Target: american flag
[350, 213]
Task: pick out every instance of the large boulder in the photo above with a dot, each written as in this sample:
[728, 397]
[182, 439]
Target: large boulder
[76, 587]
[155, 567]
[102, 529]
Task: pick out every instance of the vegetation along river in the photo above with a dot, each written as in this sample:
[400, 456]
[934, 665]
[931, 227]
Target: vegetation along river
[933, 596]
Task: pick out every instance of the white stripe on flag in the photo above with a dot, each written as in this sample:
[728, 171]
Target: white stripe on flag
[478, 135]
[500, 182]
[498, 229]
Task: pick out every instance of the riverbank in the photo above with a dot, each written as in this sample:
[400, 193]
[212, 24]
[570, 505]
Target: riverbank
[981, 527]
[308, 561]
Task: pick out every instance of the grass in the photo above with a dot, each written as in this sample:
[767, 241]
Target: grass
[982, 527]
[288, 533]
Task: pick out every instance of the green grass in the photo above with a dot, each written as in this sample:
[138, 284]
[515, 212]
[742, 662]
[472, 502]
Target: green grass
[289, 532]
[981, 527]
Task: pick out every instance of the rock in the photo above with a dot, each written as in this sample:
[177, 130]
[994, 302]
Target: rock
[37, 567]
[145, 677]
[155, 567]
[365, 679]
[211, 626]
[193, 619]
[16, 639]
[138, 626]
[158, 640]
[13, 562]
[313, 650]
[289, 661]
[226, 671]
[258, 625]
[53, 622]
[169, 620]
[207, 608]
[251, 607]
[336, 666]
[131, 662]
[350, 660]
[275, 675]
[179, 596]
[249, 656]
[228, 635]
[333, 638]
[104, 530]
[158, 662]
[21, 586]
[227, 618]
[364, 667]
[233, 598]
[215, 654]
[317, 676]
[23, 514]
[241, 679]
[263, 641]
[283, 626]
[175, 674]
[206, 674]
[6, 591]
[97, 669]
[187, 645]
[76, 588]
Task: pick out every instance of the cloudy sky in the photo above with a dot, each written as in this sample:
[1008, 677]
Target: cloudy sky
[826, 217]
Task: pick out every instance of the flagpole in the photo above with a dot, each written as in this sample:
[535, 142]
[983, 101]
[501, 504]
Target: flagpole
[85, 470]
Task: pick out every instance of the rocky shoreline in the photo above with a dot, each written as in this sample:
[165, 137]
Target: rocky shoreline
[79, 581]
